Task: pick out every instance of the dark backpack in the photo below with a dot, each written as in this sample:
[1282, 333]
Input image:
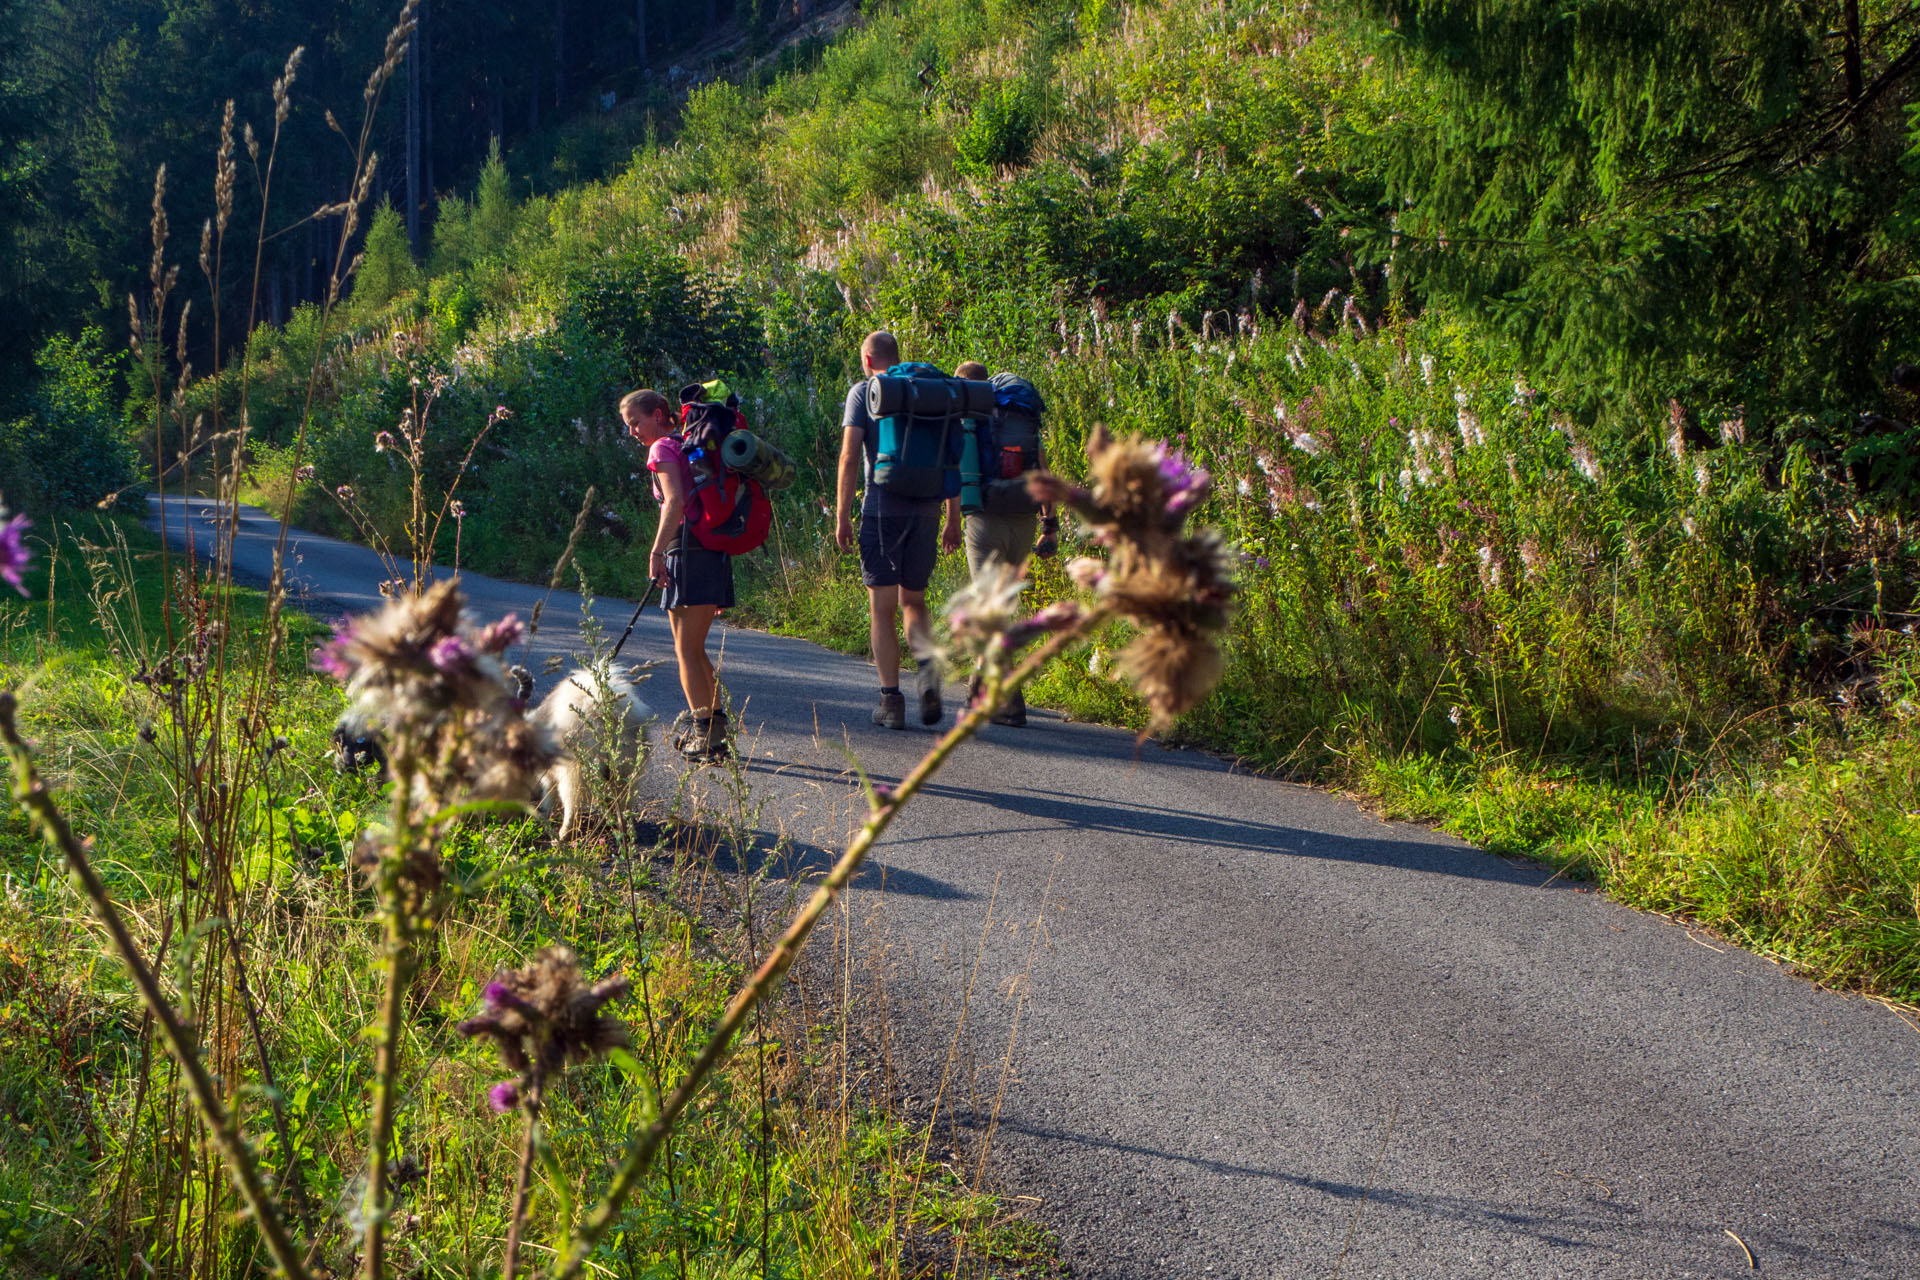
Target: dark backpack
[1009, 448]
[918, 413]
[728, 511]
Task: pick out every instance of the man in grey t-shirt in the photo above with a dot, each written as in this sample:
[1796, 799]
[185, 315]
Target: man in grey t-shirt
[899, 540]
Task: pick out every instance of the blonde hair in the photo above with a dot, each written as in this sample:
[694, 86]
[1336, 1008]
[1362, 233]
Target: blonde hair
[648, 399]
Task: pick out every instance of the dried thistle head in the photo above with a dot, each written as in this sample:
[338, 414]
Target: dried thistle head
[1172, 584]
[988, 624]
[544, 1015]
[419, 672]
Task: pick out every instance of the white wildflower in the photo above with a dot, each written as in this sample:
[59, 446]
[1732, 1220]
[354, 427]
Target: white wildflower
[1426, 368]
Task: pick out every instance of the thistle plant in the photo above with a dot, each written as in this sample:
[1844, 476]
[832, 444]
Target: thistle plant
[457, 742]
[541, 1018]
[427, 513]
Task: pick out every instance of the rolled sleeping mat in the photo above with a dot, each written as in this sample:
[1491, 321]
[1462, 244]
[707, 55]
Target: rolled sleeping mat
[929, 397]
[978, 397]
[757, 458]
[886, 397]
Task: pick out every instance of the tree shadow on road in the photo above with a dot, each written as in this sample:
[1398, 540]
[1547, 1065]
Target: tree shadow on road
[1066, 812]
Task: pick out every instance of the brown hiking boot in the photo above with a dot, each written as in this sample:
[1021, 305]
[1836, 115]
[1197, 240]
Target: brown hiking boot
[707, 740]
[892, 711]
[1014, 712]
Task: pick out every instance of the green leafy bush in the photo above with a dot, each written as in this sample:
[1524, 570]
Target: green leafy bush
[999, 130]
[70, 448]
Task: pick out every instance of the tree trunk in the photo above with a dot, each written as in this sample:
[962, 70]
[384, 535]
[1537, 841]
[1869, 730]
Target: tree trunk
[559, 53]
[413, 141]
[1856, 82]
[426, 108]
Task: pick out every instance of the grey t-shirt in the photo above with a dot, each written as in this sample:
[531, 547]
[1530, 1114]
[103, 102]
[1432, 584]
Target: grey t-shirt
[874, 499]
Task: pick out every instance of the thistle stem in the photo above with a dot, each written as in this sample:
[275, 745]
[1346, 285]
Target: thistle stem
[510, 1263]
[387, 1053]
[34, 798]
[642, 1149]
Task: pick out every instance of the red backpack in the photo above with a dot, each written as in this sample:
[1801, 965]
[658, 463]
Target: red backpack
[728, 512]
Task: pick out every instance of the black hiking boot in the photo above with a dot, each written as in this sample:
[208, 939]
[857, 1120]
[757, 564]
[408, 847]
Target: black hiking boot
[1014, 712]
[892, 711]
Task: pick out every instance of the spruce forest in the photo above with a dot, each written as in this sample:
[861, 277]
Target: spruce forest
[1555, 368]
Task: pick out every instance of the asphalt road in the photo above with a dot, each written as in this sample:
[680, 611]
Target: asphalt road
[1263, 1034]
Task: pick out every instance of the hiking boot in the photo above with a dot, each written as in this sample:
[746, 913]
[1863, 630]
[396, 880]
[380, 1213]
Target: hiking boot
[679, 733]
[1014, 712]
[927, 679]
[892, 711]
[707, 740]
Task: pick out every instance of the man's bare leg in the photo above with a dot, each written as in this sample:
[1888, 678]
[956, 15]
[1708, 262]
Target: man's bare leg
[882, 618]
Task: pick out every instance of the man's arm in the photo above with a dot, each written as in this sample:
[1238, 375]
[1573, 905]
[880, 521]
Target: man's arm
[950, 535]
[852, 442]
[1049, 541]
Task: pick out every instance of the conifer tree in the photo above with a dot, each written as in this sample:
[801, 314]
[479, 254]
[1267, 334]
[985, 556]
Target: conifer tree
[1697, 198]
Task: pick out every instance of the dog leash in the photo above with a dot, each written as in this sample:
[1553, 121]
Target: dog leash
[651, 587]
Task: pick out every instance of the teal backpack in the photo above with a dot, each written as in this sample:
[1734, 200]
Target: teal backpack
[917, 412]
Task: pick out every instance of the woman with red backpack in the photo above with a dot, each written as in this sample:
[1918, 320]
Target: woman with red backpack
[697, 581]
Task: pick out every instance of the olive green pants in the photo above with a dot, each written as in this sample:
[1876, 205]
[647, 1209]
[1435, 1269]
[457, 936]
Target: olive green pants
[1008, 538]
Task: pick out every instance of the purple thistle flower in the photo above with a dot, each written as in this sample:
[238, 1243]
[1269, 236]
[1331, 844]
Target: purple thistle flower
[504, 1096]
[344, 493]
[497, 637]
[13, 552]
[304, 472]
[449, 654]
[383, 441]
[331, 657]
[1183, 482]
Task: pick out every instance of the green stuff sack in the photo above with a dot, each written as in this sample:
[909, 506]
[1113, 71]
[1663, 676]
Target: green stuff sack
[757, 458]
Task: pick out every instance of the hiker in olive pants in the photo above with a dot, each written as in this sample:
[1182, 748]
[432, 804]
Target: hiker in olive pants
[1008, 537]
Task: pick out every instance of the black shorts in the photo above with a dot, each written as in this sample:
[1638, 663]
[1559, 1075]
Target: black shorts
[697, 576]
[899, 551]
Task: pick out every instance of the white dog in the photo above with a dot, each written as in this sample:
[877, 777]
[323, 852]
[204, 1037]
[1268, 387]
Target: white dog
[572, 714]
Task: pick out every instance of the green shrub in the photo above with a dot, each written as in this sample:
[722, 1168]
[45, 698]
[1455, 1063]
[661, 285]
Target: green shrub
[70, 448]
[999, 130]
